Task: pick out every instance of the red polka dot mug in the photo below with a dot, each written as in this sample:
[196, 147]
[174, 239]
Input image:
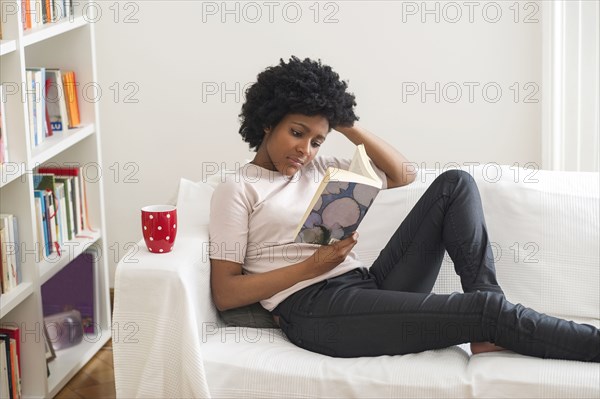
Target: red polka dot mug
[159, 226]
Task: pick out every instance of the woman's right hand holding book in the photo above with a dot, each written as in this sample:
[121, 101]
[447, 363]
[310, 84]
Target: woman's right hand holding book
[327, 257]
[231, 288]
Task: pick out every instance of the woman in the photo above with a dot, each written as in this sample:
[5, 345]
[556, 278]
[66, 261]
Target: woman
[323, 298]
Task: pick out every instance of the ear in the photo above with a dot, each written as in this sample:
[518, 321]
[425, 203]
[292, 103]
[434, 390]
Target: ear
[267, 130]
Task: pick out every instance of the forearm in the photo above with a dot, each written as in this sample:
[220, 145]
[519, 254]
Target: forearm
[245, 289]
[397, 168]
[232, 289]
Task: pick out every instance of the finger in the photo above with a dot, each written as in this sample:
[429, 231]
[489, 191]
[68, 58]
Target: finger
[352, 238]
[349, 242]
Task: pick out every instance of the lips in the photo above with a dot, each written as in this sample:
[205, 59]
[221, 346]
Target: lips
[296, 161]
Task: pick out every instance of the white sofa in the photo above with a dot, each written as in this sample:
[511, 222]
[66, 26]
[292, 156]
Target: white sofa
[170, 342]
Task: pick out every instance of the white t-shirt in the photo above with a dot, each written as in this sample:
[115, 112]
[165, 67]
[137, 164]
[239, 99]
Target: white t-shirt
[253, 216]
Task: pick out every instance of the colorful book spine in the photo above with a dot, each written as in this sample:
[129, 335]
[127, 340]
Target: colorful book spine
[37, 13]
[68, 205]
[70, 84]
[80, 193]
[6, 365]
[57, 106]
[52, 102]
[13, 332]
[9, 246]
[42, 222]
[47, 182]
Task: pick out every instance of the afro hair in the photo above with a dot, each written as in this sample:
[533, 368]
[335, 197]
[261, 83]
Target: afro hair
[303, 87]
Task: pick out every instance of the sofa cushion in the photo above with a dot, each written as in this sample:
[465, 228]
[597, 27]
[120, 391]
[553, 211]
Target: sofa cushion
[262, 363]
[510, 375]
[248, 316]
[193, 206]
[193, 202]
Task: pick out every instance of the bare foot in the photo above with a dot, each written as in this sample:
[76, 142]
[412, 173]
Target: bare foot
[482, 347]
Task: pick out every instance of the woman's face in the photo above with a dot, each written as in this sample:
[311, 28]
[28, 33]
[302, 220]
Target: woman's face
[293, 143]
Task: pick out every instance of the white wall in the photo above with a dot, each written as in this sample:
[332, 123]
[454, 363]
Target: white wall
[178, 49]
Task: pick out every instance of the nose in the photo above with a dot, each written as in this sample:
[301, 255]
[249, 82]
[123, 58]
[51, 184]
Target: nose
[304, 147]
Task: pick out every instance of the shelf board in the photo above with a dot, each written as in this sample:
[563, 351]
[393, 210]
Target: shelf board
[14, 297]
[59, 142]
[51, 29]
[69, 361]
[71, 249]
[7, 46]
[7, 176]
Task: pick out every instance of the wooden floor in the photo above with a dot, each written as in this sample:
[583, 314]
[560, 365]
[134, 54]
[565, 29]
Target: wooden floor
[95, 380]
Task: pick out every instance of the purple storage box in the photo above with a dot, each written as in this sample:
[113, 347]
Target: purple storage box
[72, 288]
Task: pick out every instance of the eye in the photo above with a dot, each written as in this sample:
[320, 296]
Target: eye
[316, 144]
[296, 133]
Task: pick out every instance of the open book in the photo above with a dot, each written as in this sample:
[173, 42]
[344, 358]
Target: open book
[340, 202]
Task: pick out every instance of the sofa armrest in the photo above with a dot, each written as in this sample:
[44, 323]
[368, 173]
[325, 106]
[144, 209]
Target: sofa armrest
[162, 308]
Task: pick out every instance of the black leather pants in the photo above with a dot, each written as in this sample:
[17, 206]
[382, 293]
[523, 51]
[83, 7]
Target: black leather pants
[389, 309]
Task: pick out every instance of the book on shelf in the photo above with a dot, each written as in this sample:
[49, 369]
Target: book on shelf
[78, 193]
[46, 184]
[33, 14]
[15, 372]
[9, 369]
[57, 106]
[64, 185]
[61, 213]
[3, 132]
[37, 13]
[36, 103]
[61, 209]
[70, 85]
[5, 371]
[52, 102]
[340, 202]
[72, 288]
[47, 16]
[41, 217]
[12, 331]
[10, 259]
[26, 14]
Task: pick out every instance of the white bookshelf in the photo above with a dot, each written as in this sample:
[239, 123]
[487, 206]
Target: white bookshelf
[15, 296]
[56, 144]
[70, 45]
[7, 46]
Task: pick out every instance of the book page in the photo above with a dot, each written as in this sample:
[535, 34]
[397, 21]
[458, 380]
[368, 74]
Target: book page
[361, 164]
[351, 177]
